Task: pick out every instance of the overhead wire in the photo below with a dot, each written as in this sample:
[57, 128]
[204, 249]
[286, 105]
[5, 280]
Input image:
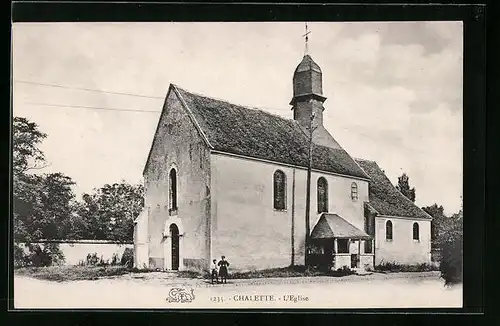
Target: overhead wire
[150, 111]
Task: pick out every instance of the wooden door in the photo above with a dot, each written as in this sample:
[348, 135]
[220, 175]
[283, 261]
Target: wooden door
[174, 233]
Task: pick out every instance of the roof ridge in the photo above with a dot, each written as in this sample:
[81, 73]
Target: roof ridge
[364, 160]
[228, 102]
[399, 191]
[278, 130]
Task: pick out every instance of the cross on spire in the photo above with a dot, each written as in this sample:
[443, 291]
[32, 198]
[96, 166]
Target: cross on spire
[306, 36]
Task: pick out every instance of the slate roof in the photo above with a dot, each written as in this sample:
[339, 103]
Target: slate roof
[333, 226]
[385, 199]
[307, 64]
[255, 133]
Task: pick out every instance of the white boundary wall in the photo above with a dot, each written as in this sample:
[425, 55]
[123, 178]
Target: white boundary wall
[76, 250]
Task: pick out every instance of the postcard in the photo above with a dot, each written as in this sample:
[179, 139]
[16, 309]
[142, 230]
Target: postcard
[230, 165]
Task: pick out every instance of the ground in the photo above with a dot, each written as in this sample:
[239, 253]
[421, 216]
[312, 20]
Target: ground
[150, 290]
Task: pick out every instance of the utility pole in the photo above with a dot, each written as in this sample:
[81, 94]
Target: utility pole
[308, 191]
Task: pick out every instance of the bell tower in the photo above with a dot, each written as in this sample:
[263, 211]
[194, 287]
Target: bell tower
[308, 96]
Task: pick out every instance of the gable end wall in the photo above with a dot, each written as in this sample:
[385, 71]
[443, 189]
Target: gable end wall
[178, 144]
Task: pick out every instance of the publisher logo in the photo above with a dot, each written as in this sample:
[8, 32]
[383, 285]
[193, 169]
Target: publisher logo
[180, 295]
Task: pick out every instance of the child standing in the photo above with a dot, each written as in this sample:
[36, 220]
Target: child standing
[215, 272]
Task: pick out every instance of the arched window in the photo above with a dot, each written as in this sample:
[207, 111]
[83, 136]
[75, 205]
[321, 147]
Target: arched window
[354, 191]
[279, 190]
[322, 195]
[388, 230]
[173, 189]
[416, 231]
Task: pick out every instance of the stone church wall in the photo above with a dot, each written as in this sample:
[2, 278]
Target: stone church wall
[249, 231]
[402, 249]
[178, 144]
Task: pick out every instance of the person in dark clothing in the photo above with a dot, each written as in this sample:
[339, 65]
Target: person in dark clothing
[215, 272]
[223, 264]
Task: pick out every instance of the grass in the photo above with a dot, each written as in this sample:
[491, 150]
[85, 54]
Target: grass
[72, 273]
[76, 273]
[192, 274]
[292, 271]
[397, 268]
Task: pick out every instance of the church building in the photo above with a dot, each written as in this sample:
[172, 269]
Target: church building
[223, 179]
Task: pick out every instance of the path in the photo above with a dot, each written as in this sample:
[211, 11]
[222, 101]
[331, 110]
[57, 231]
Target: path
[150, 290]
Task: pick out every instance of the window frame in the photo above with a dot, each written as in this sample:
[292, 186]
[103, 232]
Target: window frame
[275, 191]
[417, 233]
[318, 202]
[387, 224]
[173, 192]
[354, 191]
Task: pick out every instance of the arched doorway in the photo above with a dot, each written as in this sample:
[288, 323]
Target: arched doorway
[174, 234]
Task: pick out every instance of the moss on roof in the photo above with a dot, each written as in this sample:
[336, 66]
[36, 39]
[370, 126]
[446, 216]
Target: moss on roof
[250, 132]
[385, 198]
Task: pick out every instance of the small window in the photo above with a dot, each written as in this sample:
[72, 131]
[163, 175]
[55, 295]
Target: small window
[343, 246]
[173, 189]
[279, 190]
[388, 230]
[322, 195]
[416, 235]
[354, 191]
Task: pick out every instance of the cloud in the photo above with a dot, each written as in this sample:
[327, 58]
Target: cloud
[394, 89]
[395, 54]
[380, 124]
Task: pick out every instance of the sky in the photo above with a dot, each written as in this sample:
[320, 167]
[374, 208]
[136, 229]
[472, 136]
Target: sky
[394, 90]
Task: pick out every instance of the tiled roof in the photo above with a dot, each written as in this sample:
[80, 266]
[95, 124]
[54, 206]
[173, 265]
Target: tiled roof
[333, 226]
[385, 199]
[255, 133]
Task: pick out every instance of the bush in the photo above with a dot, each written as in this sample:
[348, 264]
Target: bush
[394, 267]
[103, 262]
[21, 259]
[47, 254]
[92, 259]
[451, 248]
[344, 271]
[128, 258]
[451, 260]
[114, 260]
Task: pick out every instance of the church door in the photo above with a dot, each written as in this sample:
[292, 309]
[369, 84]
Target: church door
[174, 233]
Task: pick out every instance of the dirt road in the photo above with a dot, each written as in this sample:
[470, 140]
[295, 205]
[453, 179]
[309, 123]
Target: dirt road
[151, 290]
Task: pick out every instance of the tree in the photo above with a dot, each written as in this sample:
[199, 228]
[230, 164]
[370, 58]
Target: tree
[438, 219]
[25, 140]
[451, 246]
[404, 186]
[42, 205]
[109, 212]
[447, 237]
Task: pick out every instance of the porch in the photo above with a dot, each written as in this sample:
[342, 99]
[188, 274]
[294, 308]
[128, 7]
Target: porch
[336, 244]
